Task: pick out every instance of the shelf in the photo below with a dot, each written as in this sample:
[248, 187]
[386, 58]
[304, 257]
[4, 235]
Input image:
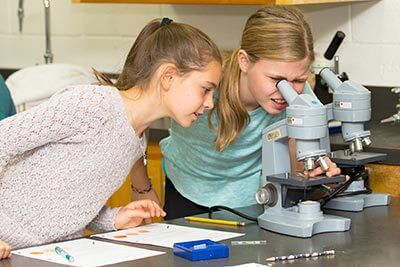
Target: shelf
[219, 2]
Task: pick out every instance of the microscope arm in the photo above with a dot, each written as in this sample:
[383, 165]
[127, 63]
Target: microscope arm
[296, 166]
[351, 106]
[329, 109]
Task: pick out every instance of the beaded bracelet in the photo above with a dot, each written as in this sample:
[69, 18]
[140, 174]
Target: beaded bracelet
[142, 191]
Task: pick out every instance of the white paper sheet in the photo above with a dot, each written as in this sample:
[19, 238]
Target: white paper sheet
[250, 265]
[87, 252]
[165, 235]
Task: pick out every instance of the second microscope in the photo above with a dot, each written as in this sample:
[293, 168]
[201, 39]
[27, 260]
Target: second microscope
[352, 107]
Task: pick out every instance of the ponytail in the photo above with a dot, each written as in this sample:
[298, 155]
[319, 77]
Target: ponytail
[164, 41]
[102, 78]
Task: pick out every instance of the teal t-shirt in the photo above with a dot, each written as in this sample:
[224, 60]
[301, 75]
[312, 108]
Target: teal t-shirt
[7, 107]
[208, 177]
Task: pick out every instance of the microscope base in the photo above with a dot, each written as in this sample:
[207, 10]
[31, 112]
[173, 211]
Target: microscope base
[358, 202]
[290, 222]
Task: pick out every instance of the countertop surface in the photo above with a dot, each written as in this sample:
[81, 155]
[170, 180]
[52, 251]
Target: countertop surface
[373, 240]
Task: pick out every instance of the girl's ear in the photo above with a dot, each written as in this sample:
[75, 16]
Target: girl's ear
[243, 60]
[168, 74]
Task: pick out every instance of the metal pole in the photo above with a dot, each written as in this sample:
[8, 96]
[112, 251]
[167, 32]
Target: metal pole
[20, 14]
[48, 56]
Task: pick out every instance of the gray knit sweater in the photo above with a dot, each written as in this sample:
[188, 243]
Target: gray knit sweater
[60, 162]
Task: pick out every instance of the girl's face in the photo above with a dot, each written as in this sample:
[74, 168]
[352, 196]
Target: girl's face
[192, 93]
[258, 82]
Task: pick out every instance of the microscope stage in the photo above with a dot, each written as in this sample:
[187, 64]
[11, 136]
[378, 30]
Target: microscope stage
[299, 180]
[356, 159]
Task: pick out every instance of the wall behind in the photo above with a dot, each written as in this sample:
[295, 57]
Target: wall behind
[100, 35]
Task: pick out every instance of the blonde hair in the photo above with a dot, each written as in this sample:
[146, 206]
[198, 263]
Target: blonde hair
[164, 42]
[275, 33]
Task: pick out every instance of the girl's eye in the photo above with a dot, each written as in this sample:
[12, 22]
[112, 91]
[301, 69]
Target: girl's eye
[300, 82]
[207, 90]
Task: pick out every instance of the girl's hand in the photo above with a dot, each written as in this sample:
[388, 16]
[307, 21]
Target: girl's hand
[5, 250]
[135, 212]
[333, 169]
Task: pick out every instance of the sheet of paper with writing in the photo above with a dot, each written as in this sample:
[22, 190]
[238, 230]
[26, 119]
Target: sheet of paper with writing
[86, 252]
[165, 235]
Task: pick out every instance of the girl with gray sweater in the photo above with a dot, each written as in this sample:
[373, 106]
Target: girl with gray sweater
[62, 160]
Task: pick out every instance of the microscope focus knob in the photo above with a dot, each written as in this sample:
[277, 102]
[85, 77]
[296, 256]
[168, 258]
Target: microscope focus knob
[267, 195]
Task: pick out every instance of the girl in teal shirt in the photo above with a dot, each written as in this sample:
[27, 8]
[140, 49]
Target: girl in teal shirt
[7, 107]
[218, 160]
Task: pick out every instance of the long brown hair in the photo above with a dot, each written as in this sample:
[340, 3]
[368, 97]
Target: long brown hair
[275, 33]
[164, 42]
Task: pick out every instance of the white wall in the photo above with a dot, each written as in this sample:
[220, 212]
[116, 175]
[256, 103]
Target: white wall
[100, 35]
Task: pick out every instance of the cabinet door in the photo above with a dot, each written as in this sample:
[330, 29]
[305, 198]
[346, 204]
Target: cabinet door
[385, 179]
[123, 196]
[154, 169]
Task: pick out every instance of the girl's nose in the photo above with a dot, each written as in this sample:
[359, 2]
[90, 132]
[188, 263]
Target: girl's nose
[297, 87]
[209, 102]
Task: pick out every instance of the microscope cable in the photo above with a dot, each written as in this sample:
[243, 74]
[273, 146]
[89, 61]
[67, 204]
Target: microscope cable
[238, 213]
[338, 192]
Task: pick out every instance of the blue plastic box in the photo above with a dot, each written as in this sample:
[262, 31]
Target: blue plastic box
[198, 250]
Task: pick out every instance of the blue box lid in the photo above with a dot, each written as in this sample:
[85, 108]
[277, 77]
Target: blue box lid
[197, 250]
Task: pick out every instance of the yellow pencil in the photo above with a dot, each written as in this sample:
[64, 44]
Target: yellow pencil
[207, 220]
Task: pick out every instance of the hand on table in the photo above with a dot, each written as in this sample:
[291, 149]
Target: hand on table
[136, 212]
[5, 250]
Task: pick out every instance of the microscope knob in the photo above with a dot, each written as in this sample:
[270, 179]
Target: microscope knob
[343, 77]
[267, 195]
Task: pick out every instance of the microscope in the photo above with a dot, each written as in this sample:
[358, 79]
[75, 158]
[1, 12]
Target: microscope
[352, 106]
[284, 194]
